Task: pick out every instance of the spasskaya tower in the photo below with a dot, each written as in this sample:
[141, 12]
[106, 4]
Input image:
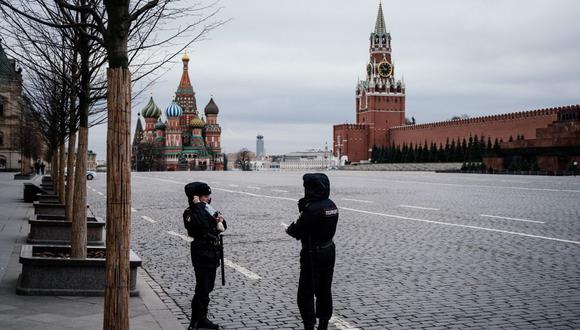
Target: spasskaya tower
[380, 100]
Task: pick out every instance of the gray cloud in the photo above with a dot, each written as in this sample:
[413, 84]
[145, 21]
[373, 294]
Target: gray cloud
[288, 68]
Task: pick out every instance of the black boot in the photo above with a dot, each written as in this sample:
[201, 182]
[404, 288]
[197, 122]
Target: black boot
[193, 325]
[308, 326]
[207, 324]
[322, 324]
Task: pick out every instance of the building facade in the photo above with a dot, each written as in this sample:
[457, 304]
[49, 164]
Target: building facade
[182, 140]
[260, 153]
[380, 113]
[13, 107]
[309, 159]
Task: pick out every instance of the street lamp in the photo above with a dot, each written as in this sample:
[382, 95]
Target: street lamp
[324, 161]
[339, 146]
[370, 154]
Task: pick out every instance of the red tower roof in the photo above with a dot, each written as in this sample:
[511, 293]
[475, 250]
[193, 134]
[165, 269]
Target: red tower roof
[185, 83]
[185, 96]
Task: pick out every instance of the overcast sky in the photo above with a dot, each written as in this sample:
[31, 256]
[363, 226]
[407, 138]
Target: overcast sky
[287, 69]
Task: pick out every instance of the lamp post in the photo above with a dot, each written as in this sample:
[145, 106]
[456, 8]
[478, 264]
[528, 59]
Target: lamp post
[339, 143]
[370, 154]
[324, 161]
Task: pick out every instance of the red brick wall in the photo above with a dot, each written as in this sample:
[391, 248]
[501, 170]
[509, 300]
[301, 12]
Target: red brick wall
[496, 126]
[354, 140]
[382, 113]
[378, 56]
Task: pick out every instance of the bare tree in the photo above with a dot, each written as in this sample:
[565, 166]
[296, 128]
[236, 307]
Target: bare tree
[148, 157]
[126, 31]
[244, 157]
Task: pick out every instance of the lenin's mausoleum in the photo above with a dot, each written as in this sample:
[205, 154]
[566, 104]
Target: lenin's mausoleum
[550, 136]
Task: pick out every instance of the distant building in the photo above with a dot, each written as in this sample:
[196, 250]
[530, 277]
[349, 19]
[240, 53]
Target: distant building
[260, 147]
[309, 159]
[13, 110]
[258, 165]
[91, 161]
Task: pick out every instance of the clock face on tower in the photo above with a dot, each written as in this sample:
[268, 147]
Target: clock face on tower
[385, 69]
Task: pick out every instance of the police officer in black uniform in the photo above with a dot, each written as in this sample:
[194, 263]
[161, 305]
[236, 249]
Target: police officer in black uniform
[204, 224]
[315, 228]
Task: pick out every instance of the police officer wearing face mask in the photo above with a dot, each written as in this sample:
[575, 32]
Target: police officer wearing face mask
[315, 229]
[204, 224]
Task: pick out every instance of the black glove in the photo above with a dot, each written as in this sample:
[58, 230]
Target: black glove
[302, 202]
[291, 230]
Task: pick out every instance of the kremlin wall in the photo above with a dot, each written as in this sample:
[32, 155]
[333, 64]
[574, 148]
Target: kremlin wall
[501, 127]
[380, 115]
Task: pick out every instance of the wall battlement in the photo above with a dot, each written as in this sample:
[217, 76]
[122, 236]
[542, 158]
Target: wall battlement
[351, 127]
[487, 119]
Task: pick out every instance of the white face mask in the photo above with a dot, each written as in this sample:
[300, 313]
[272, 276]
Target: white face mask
[210, 209]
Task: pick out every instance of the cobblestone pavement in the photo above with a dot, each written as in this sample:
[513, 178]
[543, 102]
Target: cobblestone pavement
[414, 250]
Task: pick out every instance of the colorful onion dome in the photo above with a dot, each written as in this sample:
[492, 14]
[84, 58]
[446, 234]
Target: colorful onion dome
[160, 125]
[197, 123]
[211, 108]
[185, 57]
[151, 110]
[160, 139]
[174, 110]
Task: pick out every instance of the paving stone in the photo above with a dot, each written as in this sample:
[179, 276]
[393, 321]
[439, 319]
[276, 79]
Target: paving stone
[418, 269]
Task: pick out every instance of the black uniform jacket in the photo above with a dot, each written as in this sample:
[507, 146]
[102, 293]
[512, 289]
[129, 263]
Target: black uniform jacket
[318, 214]
[202, 226]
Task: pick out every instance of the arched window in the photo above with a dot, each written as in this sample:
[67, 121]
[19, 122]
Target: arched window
[2, 162]
[1, 139]
[1, 106]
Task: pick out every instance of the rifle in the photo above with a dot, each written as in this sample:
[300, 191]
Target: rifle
[222, 259]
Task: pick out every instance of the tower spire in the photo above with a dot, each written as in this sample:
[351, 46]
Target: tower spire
[185, 96]
[185, 83]
[380, 27]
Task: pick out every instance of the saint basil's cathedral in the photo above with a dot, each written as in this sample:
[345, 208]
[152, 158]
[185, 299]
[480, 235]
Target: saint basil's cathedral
[184, 140]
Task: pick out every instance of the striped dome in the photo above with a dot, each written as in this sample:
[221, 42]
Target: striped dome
[173, 110]
[151, 110]
[197, 123]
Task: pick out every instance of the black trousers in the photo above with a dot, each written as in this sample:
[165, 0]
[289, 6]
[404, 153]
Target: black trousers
[316, 281]
[204, 283]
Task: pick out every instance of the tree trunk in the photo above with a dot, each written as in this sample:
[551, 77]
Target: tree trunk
[79, 218]
[61, 167]
[52, 165]
[116, 314]
[72, 141]
[118, 198]
[55, 170]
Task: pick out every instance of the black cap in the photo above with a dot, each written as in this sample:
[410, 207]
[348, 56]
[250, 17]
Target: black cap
[197, 189]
